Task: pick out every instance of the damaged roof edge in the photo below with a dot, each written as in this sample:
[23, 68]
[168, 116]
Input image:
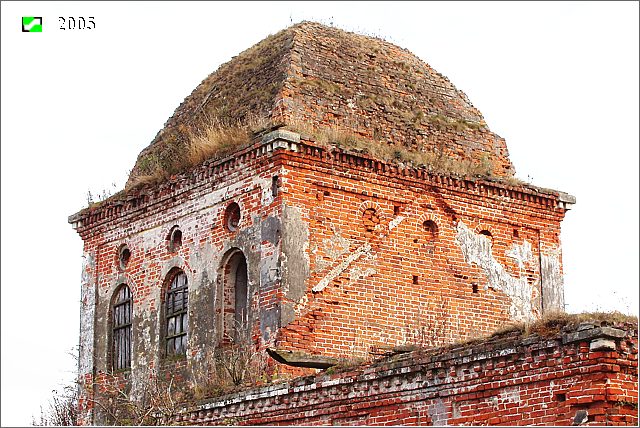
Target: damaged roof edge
[566, 200]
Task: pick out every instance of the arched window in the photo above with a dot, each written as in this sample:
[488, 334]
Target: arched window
[176, 314]
[236, 304]
[121, 319]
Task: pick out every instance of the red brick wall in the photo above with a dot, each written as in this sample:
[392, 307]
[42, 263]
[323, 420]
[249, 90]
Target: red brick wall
[509, 380]
[398, 282]
[408, 281]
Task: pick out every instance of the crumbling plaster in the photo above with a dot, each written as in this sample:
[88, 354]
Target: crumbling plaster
[477, 249]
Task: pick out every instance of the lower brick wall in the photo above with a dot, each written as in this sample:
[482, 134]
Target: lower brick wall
[587, 373]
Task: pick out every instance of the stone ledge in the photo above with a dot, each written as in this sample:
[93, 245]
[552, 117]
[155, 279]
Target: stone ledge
[593, 333]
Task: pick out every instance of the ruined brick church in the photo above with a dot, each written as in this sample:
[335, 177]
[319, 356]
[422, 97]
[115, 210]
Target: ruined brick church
[368, 206]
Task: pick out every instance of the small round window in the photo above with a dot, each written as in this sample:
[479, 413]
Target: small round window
[175, 239]
[124, 254]
[232, 217]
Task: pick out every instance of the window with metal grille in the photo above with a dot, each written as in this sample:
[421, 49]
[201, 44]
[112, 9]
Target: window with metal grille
[176, 303]
[122, 310]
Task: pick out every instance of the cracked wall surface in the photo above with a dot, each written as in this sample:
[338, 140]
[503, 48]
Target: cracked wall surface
[341, 260]
[477, 250]
[206, 242]
[375, 269]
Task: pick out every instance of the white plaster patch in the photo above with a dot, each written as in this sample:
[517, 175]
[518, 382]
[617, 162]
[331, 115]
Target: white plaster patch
[87, 313]
[396, 222]
[301, 304]
[510, 395]
[335, 246]
[552, 280]
[341, 267]
[267, 191]
[521, 253]
[476, 249]
[357, 273]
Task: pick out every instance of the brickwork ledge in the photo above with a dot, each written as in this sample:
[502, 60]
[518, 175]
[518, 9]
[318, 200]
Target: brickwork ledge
[550, 332]
[282, 139]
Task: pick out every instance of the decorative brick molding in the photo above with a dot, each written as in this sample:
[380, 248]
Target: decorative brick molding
[508, 380]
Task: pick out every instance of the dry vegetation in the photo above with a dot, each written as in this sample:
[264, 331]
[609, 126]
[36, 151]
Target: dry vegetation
[236, 366]
[433, 161]
[552, 323]
[187, 148]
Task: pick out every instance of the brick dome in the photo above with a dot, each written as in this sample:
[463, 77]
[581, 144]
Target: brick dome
[317, 78]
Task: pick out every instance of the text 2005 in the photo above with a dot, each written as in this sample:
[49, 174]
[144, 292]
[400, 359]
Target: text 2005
[77, 23]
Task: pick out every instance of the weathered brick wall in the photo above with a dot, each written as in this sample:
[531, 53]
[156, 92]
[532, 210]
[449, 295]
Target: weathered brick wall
[391, 280]
[338, 257]
[586, 374]
[142, 221]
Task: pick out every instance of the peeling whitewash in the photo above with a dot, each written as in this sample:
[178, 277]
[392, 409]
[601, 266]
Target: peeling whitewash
[357, 273]
[341, 267]
[476, 249]
[552, 281]
[87, 315]
[396, 222]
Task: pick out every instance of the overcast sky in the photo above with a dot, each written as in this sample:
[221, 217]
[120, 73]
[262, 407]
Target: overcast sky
[559, 81]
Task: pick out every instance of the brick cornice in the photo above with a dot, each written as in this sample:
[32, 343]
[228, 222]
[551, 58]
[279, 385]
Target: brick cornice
[293, 146]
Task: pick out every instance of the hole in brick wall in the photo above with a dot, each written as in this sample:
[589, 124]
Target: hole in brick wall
[561, 396]
[124, 254]
[474, 287]
[415, 241]
[396, 209]
[415, 279]
[274, 185]
[516, 233]
[327, 193]
[175, 239]
[431, 229]
[370, 219]
[232, 217]
[486, 233]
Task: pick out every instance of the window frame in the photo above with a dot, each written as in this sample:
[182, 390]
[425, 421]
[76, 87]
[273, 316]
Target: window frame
[176, 312]
[121, 328]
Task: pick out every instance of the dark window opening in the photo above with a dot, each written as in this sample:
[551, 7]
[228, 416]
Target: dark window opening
[516, 233]
[431, 229]
[236, 300]
[232, 217]
[561, 397]
[123, 256]
[274, 185]
[396, 209]
[415, 279]
[177, 317]
[121, 319]
[485, 232]
[175, 239]
[474, 288]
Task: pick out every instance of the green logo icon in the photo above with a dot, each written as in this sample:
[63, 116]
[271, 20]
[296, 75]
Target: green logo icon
[32, 24]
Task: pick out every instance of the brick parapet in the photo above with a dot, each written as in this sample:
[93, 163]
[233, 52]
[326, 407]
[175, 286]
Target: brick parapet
[502, 381]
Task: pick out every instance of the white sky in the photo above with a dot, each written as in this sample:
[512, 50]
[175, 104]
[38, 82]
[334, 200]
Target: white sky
[559, 81]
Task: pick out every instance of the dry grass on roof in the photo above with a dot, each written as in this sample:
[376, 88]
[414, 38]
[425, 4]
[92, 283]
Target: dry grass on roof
[480, 166]
[211, 139]
[552, 323]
